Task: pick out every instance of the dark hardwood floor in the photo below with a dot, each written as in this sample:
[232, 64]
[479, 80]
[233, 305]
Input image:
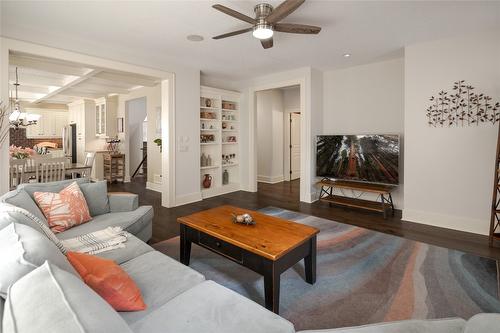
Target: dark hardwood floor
[286, 195]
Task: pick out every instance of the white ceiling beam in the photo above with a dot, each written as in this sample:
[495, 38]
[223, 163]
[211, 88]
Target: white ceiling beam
[68, 85]
[47, 66]
[38, 81]
[75, 93]
[100, 88]
[131, 79]
[31, 89]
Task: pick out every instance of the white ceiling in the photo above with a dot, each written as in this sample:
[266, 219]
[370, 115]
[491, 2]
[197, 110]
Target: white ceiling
[154, 33]
[46, 80]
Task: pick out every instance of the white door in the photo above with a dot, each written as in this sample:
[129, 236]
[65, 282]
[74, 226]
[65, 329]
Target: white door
[294, 146]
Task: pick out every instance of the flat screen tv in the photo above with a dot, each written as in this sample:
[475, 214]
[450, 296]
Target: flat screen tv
[366, 158]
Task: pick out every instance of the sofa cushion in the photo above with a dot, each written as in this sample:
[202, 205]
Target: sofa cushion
[132, 222]
[134, 247]
[22, 199]
[108, 280]
[123, 201]
[23, 249]
[448, 325]
[51, 300]
[10, 214]
[54, 187]
[483, 322]
[96, 195]
[160, 278]
[212, 308]
[65, 209]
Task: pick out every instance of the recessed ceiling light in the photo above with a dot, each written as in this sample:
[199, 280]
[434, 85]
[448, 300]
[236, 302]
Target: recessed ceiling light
[195, 38]
[347, 55]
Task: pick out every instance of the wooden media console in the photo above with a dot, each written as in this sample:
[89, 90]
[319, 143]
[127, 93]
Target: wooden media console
[385, 203]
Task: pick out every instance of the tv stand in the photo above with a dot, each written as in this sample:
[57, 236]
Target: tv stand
[385, 203]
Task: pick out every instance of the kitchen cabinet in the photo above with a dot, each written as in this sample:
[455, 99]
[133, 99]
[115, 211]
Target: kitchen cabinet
[60, 120]
[105, 116]
[49, 125]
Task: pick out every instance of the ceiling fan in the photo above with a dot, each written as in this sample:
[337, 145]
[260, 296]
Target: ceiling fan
[267, 20]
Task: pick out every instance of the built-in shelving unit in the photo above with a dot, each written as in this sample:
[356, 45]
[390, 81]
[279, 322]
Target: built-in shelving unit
[219, 140]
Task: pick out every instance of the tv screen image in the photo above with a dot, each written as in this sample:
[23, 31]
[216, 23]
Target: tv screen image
[368, 158]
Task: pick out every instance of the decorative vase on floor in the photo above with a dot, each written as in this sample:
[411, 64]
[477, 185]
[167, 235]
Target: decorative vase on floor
[207, 182]
[225, 177]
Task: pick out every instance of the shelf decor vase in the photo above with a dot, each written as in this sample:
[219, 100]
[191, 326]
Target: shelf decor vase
[207, 181]
[225, 177]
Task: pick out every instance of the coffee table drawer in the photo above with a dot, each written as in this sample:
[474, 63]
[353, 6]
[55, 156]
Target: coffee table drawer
[221, 247]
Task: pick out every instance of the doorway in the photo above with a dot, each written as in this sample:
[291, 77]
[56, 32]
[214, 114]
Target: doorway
[278, 135]
[90, 72]
[136, 115]
[293, 145]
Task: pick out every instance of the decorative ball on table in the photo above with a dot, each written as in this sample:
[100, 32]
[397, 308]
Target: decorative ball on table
[245, 219]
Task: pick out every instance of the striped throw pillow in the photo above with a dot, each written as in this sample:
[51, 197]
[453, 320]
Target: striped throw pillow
[65, 209]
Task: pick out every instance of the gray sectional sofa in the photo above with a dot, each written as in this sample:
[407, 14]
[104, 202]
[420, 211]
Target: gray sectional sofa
[41, 292]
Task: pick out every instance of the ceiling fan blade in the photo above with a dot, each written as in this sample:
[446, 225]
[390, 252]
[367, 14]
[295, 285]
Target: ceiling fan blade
[283, 10]
[267, 43]
[296, 28]
[234, 14]
[234, 33]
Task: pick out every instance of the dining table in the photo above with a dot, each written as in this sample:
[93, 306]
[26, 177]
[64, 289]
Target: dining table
[70, 168]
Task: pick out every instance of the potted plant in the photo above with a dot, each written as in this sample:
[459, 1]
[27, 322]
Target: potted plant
[158, 143]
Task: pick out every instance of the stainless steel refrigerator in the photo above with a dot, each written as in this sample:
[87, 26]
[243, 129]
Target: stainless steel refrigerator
[69, 142]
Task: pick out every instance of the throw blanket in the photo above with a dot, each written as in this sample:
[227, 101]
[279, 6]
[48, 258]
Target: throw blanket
[98, 241]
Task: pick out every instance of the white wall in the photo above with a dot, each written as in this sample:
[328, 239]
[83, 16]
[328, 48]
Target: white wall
[367, 99]
[449, 171]
[270, 136]
[291, 98]
[136, 111]
[187, 128]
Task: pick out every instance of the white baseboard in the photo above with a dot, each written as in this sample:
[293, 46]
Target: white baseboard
[153, 186]
[270, 179]
[472, 225]
[187, 198]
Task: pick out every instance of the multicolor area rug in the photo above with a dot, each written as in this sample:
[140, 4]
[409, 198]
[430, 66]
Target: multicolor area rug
[363, 277]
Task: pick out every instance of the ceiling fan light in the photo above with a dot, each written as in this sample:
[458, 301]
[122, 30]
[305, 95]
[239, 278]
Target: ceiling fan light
[263, 31]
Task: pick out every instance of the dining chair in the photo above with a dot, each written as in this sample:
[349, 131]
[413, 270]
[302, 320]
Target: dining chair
[51, 169]
[89, 162]
[17, 167]
[34, 160]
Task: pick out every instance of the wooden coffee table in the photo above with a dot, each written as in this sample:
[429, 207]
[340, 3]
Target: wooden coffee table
[269, 247]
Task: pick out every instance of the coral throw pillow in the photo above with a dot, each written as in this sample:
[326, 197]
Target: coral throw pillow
[65, 209]
[109, 280]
